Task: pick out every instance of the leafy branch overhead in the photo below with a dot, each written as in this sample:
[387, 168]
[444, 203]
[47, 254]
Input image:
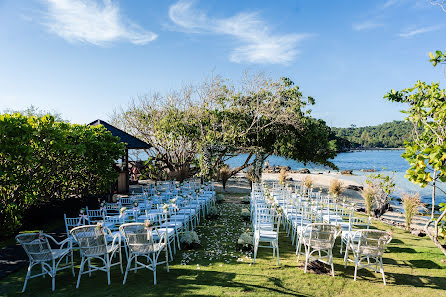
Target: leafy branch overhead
[199, 127]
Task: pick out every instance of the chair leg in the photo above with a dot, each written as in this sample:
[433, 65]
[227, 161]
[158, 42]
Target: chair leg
[346, 255]
[27, 277]
[382, 270]
[331, 262]
[277, 246]
[72, 263]
[307, 256]
[154, 269]
[108, 268]
[120, 260]
[89, 267]
[256, 247]
[356, 268]
[129, 263]
[80, 272]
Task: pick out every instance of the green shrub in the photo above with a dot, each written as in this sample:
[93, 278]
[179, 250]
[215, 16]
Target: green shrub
[190, 239]
[246, 200]
[220, 198]
[246, 215]
[42, 160]
[213, 213]
[245, 240]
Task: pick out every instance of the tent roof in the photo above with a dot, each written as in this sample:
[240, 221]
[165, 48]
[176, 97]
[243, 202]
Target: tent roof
[130, 141]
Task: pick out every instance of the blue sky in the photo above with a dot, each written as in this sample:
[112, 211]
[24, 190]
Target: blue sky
[86, 58]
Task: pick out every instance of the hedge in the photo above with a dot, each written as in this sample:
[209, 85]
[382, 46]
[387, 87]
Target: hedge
[42, 160]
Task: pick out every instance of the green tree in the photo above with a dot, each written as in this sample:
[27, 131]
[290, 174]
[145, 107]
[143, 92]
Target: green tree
[426, 152]
[217, 120]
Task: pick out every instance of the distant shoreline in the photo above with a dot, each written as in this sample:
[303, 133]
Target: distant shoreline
[352, 150]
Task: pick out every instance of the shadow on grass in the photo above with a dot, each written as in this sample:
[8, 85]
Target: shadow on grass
[178, 281]
[396, 250]
[425, 264]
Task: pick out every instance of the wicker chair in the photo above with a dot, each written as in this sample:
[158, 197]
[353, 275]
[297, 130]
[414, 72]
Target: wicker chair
[319, 238]
[368, 245]
[39, 251]
[141, 243]
[94, 243]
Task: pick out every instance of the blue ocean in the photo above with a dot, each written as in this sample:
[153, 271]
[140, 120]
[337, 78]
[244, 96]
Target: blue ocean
[387, 162]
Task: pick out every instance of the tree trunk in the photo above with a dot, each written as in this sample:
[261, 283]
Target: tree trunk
[433, 194]
[434, 237]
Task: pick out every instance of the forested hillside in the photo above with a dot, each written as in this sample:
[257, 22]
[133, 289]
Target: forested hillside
[387, 135]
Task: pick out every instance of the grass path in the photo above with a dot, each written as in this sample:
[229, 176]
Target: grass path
[413, 267]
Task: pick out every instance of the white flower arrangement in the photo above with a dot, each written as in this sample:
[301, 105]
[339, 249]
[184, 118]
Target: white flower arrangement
[148, 224]
[135, 204]
[123, 209]
[166, 207]
[82, 211]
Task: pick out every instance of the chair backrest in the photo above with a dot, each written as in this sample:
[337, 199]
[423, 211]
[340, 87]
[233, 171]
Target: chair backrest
[71, 223]
[113, 222]
[360, 223]
[36, 246]
[322, 236]
[138, 237]
[94, 215]
[91, 239]
[372, 242]
[112, 209]
[125, 201]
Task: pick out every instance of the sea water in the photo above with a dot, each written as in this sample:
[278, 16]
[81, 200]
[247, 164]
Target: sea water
[387, 162]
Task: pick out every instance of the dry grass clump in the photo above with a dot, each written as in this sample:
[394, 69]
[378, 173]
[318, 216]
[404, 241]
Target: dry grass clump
[411, 205]
[283, 175]
[308, 182]
[336, 187]
[368, 193]
[225, 174]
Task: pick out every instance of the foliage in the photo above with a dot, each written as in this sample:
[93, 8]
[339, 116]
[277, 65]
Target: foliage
[336, 187]
[437, 58]
[245, 240]
[368, 194]
[246, 200]
[251, 176]
[383, 187]
[190, 239]
[42, 160]
[220, 198]
[219, 119]
[386, 135]
[411, 205]
[308, 181]
[283, 174]
[225, 174]
[245, 214]
[213, 213]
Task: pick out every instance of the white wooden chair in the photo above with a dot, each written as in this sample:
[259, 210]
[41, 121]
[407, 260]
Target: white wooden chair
[141, 243]
[370, 245]
[355, 224]
[39, 251]
[94, 215]
[267, 235]
[93, 244]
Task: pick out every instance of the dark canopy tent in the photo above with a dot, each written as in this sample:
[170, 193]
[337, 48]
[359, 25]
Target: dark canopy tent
[131, 142]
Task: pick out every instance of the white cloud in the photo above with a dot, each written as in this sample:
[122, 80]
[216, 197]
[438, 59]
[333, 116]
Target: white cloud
[367, 25]
[257, 43]
[93, 22]
[418, 31]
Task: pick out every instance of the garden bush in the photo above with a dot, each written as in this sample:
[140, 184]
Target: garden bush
[246, 215]
[42, 160]
[190, 239]
[220, 198]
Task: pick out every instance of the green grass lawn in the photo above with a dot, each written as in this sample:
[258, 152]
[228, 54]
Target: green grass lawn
[413, 267]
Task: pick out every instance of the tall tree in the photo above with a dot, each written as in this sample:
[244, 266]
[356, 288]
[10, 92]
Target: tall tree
[217, 120]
